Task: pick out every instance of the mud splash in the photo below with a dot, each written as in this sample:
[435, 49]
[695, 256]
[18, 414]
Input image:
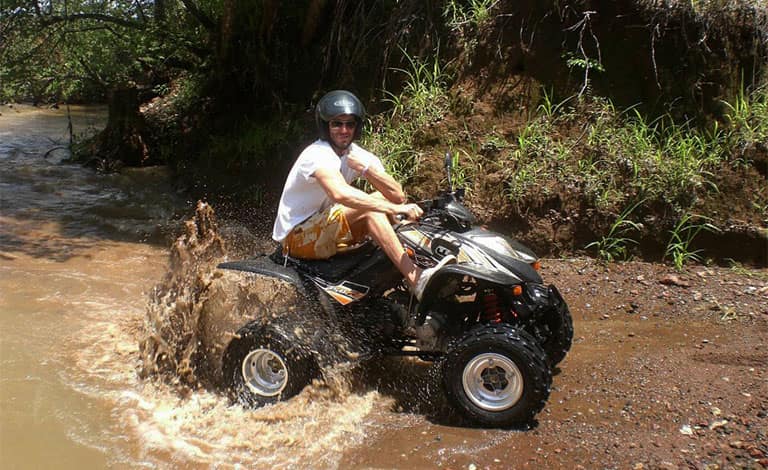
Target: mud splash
[198, 309]
[191, 316]
[174, 311]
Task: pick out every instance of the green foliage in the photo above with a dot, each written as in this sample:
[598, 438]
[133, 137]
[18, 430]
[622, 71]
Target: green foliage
[615, 244]
[423, 97]
[574, 61]
[614, 157]
[528, 158]
[77, 49]
[186, 92]
[682, 235]
[659, 160]
[460, 14]
[535, 155]
[548, 107]
[742, 270]
[394, 144]
[748, 118]
[462, 173]
[421, 102]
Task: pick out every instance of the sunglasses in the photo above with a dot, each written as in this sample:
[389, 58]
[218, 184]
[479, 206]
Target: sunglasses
[347, 124]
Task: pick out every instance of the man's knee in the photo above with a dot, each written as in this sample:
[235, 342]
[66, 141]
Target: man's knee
[377, 220]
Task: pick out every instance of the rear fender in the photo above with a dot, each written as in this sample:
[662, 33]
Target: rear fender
[266, 267]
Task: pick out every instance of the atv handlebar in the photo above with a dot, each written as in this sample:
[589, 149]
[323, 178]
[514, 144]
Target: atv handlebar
[447, 210]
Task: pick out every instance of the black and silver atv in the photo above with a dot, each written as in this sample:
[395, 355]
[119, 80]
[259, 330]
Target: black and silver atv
[489, 323]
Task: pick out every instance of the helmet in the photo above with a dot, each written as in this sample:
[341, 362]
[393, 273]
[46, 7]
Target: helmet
[335, 103]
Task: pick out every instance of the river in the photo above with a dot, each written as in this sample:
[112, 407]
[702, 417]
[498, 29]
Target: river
[74, 266]
[79, 252]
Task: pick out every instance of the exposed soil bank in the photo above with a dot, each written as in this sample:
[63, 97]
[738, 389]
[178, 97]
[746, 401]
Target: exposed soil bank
[682, 59]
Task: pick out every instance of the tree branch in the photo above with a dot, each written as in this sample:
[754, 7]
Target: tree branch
[92, 16]
[199, 15]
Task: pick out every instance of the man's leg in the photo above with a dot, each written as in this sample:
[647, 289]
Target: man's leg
[377, 225]
[319, 236]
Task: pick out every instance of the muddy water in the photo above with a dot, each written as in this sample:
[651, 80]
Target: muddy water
[78, 296]
[73, 269]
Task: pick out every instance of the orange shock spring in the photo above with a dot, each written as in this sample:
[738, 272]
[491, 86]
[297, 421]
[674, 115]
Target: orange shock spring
[491, 307]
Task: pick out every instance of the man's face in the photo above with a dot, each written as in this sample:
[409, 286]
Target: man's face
[342, 130]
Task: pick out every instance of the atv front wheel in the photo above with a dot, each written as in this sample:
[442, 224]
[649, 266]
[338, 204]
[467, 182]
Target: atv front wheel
[266, 365]
[497, 376]
[560, 325]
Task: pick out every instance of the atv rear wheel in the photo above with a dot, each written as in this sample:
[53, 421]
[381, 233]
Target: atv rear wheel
[266, 365]
[497, 376]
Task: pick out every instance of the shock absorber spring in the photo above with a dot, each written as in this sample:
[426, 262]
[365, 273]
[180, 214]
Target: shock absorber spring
[491, 307]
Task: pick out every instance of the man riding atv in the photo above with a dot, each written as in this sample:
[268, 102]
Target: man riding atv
[489, 325]
[321, 213]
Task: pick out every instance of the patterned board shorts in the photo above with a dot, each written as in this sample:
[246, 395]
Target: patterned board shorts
[321, 236]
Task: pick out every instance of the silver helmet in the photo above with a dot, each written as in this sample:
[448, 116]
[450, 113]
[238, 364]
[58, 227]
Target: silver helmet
[335, 103]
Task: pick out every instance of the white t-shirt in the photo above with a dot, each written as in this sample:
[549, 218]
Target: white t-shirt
[303, 195]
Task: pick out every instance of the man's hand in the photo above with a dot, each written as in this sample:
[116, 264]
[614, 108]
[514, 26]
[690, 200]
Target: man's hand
[356, 163]
[410, 211]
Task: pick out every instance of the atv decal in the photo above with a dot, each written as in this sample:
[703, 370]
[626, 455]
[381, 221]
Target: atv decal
[346, 292]
[443, 247]
[416, 237]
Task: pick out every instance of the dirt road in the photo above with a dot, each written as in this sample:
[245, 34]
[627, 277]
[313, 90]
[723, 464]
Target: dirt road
[667, 370]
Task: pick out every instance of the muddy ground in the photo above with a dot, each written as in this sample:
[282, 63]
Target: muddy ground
[667, 370]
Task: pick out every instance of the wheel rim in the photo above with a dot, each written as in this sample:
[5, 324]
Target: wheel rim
[264, 372]
[492, 381]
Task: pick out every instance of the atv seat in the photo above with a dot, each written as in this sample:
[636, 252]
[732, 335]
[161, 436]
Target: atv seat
[334, 268]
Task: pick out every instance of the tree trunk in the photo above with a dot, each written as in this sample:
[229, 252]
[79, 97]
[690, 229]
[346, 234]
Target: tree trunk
[123, 138]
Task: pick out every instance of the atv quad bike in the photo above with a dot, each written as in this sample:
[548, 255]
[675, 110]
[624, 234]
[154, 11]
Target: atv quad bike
[490, 325]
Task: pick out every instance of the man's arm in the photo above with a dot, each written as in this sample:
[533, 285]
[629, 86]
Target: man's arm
[341, 192]
[385, 184]
[379, 179]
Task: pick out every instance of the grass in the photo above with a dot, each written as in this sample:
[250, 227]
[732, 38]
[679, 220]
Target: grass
[422, 102]
[460, 15]
[748, 120]
[679, 249]
[423, 97]
[740, 269]
[615, 245]
[610, 157]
